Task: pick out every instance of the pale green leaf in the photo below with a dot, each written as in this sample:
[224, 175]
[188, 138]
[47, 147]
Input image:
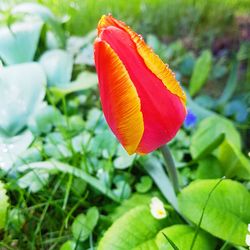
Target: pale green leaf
[22, 89]
[58, 66]
[18, 43]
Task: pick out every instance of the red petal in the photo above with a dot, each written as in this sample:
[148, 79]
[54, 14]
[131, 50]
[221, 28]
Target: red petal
[120, 102]
[163, 111]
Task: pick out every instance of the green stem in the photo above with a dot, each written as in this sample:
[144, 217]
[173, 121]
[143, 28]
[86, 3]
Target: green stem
[170, 167]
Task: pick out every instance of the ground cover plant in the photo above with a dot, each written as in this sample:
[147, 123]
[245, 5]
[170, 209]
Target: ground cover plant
[67, 183]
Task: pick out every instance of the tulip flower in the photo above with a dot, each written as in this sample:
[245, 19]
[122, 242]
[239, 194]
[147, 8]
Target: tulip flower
[142, 101]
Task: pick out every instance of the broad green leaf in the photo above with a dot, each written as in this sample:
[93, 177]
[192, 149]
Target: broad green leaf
[208, 130]
[12, 148]
[201, 72]
[22, 89]
[44, 14]
[234, 163]
[83, 225]
[182, 236]
[3, 205]
[227, 213]
[132, 230]
[209, 168]
[84, 80]
[58, 65]
[134, 201]
[18, 43]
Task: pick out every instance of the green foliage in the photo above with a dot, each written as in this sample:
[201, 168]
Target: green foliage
[3, 205]
[140, 227]
[83, 225]
[201, 72]
[20, 101]
[181, 236]
[227, 213]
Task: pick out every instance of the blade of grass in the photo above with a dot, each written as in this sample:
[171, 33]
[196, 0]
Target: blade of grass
[171, 242]
[203, 211]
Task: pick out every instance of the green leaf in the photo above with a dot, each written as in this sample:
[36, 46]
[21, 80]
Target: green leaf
[12, 148]
[181, 236]
[44, 14]
[154, 168]
[209, 168]
[19, 43]
[132, 230]
[230, 86]
[22, 89]
[34, 180]
[132, 202]
[124, 160]
[201, 72]
[227, 213]
[83, 225]
[208, 130]
[144, 185]
[3, 205]
[84, 80]
[58, 65]
[234, 163]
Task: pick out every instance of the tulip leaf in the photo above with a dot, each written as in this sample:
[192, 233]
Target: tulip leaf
[19, 42]
[210, 129]
[22, 89]
[3, 205]
[201, 72]
[44, 14]
[136, 229]
[181, 236]
[58, 65]
[227, 212]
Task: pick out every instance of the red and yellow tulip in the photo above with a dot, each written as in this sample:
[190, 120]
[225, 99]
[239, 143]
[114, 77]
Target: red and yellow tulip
[142, 101]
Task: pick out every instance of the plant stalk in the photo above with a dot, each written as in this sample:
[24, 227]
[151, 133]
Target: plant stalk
[170, 167]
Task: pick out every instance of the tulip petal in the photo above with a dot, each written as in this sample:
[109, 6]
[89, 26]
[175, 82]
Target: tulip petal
[152, 61]
[120, 101]
[163, 112]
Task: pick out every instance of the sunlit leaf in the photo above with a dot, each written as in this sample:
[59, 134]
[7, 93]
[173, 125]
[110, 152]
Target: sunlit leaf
[227, 213]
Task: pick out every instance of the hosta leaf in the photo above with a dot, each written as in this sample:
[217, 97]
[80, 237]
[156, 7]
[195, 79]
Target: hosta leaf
[227, 213]
[18, 43]
[3, 205]
[201, 72]
[22, 89]
[132, 231]
[58, 65]
[208, 130]
[182, 236]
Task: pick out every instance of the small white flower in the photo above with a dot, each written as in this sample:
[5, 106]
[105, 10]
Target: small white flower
[248, 228]
[157, 208]
[248, 240]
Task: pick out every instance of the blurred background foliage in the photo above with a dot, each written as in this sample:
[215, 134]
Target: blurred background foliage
[59, 161]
